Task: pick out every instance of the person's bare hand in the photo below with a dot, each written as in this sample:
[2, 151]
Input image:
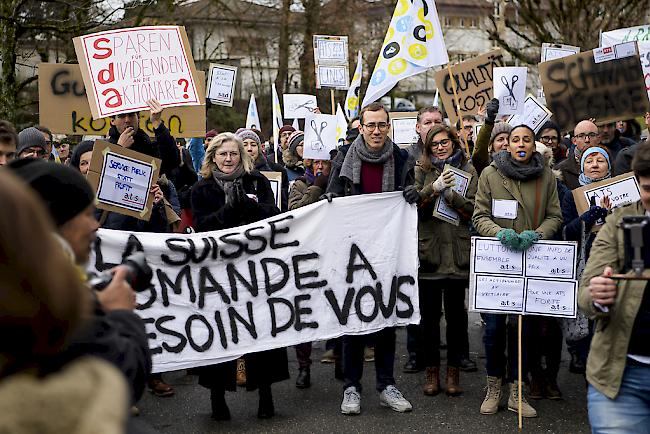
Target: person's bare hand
[118, 295]
[603, 289]
[156, 112]
[606, 202]
[316, 110]
[126, 138]
[157, 193]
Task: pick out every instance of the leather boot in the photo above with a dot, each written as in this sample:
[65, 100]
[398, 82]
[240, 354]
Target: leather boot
[265, 409]
[490, 404]
[241, 372]
[432, 381]
[453, 382]
[303, 381]
[220, 410]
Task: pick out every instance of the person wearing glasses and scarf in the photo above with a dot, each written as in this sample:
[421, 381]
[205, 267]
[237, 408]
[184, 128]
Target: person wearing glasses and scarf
[585, 135]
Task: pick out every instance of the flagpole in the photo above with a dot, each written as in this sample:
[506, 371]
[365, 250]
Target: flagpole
[460, 117]
[519, 374]
[332, 100]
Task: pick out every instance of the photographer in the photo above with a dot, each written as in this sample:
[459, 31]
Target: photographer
[114, 332]
[618, 366]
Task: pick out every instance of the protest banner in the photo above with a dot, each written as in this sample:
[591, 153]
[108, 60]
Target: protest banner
[221, 84]
[509, 87]
[122, 178]
[288, 279]
[414, 43]
[124, 68]
[621, 190]
[63, 106]
[539, 281]
[585, 86]
[402, 128]
[275, 178]
[331, 62]
[298, 106]
[535, 115]
[640, 34]
[557, 51]
[473, 80]
[440, 208]
[320, 136]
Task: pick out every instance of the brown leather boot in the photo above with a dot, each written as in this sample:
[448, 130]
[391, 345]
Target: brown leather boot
[432, 381]
[453, 382]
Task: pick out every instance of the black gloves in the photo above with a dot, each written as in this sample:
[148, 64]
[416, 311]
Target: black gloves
[593, 214]
[492, 109]
[328, 196]
[411, 194]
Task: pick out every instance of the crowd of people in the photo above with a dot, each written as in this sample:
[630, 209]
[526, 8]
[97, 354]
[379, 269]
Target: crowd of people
[57, 329]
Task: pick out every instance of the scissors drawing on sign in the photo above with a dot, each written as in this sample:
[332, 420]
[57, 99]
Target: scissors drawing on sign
[305, 105]
[318, 144]
[510, 100]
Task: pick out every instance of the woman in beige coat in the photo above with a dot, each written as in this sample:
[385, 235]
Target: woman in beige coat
[517, 202]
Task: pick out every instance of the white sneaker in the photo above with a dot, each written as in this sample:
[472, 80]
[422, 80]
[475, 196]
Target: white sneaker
[391, 397]
[351, 401]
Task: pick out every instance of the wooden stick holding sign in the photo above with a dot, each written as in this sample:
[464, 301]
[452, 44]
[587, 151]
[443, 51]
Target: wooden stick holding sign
[520, 319]
[460, 116]
[122, 179]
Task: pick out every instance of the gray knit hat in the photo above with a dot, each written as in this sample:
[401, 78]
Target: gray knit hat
[296, 138]
[28, 138]
[244, 134]
[500, 127]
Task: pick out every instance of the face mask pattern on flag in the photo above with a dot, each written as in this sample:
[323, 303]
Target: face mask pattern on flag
[352, 98]
[413, 43]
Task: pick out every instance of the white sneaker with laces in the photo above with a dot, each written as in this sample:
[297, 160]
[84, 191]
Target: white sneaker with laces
[351, 401]
[392, 398]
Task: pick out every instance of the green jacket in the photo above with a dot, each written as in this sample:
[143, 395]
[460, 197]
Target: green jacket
[481, 155]
[436, 237]
[494, 185]
[608, 353]
[303, 194]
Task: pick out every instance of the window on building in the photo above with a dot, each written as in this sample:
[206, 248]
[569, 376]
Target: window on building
[461, 22]
[473, 23]
[447, 21]
[246, 46]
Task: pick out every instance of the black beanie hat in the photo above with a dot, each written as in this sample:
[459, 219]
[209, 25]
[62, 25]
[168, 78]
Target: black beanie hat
[83, 147]
[65, 191]
[549, 125]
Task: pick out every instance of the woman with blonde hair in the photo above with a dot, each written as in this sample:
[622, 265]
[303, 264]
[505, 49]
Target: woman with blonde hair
[42, 304]
[232, 193]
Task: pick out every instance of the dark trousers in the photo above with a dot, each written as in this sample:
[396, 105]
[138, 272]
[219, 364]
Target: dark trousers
[433, 293]
[413, 339]
[501, 329]
[303, 354]
[546, 333]
[353, 346]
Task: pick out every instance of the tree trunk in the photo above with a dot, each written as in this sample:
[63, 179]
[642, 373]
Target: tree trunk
[8, 82]
[283, 50]
[307, 72]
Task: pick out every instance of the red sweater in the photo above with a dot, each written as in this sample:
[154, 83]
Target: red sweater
[371, 177]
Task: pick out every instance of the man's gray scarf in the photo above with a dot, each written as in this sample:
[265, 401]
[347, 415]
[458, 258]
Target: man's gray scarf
[360, 153]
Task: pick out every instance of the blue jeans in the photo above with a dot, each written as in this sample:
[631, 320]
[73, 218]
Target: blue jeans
[498, 335]
[353, 345]
[629, 412]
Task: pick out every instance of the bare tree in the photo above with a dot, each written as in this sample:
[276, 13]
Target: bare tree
[283, 47]
[573, 22]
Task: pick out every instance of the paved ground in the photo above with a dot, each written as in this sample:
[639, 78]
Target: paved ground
[316, 410]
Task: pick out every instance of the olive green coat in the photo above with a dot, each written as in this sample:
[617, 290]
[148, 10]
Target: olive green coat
[608, 353]
[495, 185]
[444, 248]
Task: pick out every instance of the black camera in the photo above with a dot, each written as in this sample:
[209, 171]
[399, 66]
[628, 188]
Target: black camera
[636, 235]
[139, 274]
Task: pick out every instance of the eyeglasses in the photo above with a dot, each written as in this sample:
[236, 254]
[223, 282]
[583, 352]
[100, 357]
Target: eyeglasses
[38, 152]
[226, 154]
[383, 126]
[444, 143]
[583, 136]
[552, 139]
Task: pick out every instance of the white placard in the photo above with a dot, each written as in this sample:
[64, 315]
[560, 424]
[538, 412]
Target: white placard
[333, 76]
[505, 208]
[275, 178]
[509, 85]
[330, 49]
[291, 278]
[441, 209]
[639, 34]
[620, 192]
[535, 114]
[557, 51]
[124, 68]
[298, 106]
[403, 130]
[540, 281]
[221, 84]
[320, 136]
[124, 182]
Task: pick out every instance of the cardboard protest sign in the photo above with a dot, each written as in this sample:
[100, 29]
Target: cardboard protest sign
[577, 87]
[402, 128]
[331, 62]
[320, 136]
[535, 115]
[275, 178]
[473, 84]
[539, 281]
[221, 84]
[641, 34]
[298, 106]
[278, 282]
[509, 87]
[440, 208]
[557, 51]
[124, 68]
[122, 178]
[621, 190]
[64, 109]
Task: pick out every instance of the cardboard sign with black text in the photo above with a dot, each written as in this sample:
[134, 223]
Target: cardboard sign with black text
[586, 85]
